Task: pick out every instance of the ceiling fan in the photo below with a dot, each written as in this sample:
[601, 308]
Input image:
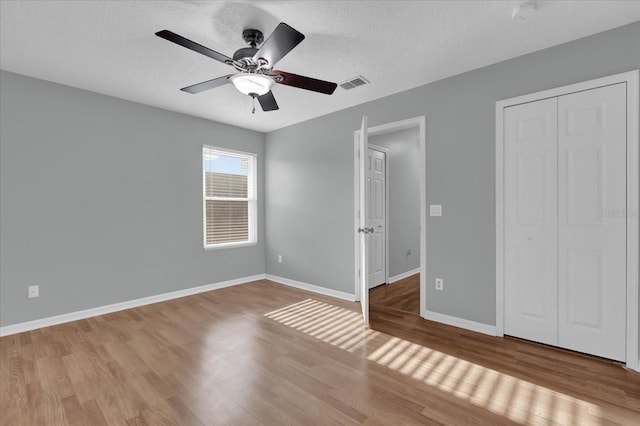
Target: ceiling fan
[254, 64]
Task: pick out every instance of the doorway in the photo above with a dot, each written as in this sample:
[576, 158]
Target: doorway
[412, 256]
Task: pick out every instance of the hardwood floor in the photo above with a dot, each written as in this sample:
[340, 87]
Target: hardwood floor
[264, 353]
[403, 295]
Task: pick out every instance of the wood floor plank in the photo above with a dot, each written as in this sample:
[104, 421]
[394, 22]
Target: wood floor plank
[403, 295]
[263, 353]
[93, 413]
[563, 386]
[73, 411]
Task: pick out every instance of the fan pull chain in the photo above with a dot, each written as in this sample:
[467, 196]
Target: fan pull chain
[253, 111]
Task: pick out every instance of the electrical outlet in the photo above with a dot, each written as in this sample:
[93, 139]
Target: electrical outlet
[33, 291]
[279, 258]
[439, 284]
[435, 210]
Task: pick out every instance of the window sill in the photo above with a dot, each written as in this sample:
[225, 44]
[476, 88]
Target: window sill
[230, 245]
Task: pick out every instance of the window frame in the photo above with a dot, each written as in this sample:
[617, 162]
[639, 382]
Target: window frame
[252, 197]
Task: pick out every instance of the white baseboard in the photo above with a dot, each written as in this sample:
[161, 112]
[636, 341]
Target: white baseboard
[460, 323]
[314, 288]
[107, 309]
[404, 275]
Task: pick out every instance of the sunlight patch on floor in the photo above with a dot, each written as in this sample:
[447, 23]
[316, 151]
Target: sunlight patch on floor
[338, 326]
[516, 399]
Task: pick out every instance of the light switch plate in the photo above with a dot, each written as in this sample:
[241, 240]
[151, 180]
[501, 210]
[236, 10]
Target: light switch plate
[435, 210]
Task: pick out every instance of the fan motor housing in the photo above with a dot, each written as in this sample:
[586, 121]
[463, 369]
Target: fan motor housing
[244, 53]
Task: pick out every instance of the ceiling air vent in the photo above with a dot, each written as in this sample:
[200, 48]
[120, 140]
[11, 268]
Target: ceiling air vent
[352, 83]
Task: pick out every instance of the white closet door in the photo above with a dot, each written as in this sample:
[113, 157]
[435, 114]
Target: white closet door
[531, 268]
[592, 221]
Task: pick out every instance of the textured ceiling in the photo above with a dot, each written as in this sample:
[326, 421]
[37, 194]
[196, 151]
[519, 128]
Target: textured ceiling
[109, 46]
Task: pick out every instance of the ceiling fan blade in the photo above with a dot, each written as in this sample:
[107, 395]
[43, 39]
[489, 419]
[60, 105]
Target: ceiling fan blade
[207, 85]
[283, 39]
[303, 82]
[268, 102]
[192, 45]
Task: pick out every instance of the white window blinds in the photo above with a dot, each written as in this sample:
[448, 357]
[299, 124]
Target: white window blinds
[229, 181]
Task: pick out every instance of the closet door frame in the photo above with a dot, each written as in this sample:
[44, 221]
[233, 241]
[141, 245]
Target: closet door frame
[633, 198]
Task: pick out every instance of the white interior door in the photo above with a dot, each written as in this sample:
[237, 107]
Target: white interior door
[363, 145]
[592, 221]
[530, 196]
[376, 215]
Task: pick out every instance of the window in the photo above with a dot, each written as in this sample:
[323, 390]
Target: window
[229, 205]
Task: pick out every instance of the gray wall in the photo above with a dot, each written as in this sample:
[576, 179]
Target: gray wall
[403, 180]
[101, 200]
[310, 172]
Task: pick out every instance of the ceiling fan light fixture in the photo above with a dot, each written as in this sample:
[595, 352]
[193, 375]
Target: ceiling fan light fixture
[250, 84]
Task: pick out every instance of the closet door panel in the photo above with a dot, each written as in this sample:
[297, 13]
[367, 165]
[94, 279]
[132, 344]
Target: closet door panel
[530, 135]
[592, 221]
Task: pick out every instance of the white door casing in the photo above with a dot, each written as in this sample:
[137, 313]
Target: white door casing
[629, 307]
[592, 221]
[420, 124]
[530, 138]
[376, 216]
[363, 145]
